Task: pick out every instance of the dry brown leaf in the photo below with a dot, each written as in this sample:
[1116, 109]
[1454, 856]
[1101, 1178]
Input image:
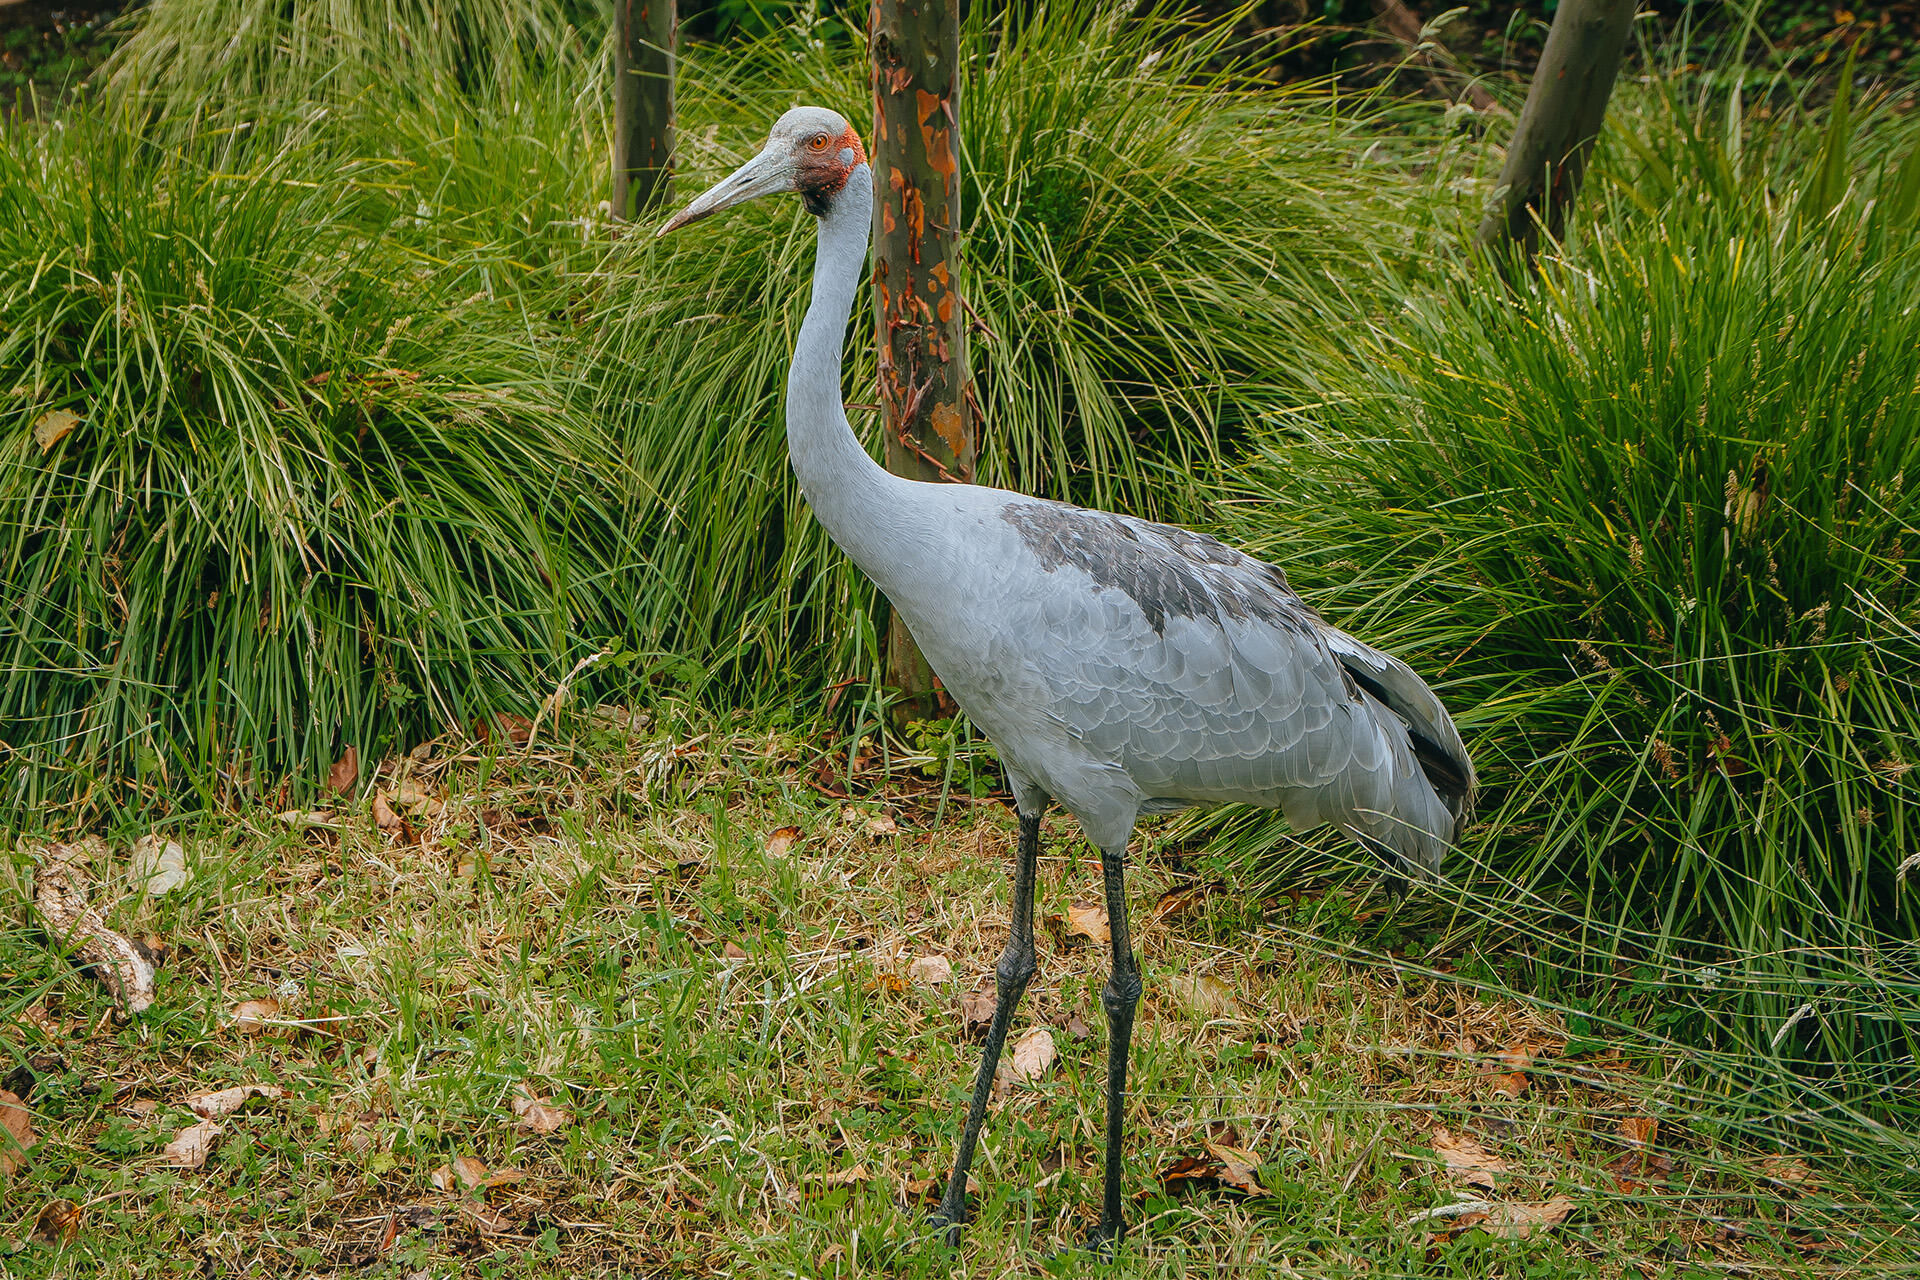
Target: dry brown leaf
[842, 1177]
[159, 866]
[383, 815]
[16, 1133]
[411, 794]
[733, 951]
[1790, 1172]
[881, 826]
[57, 1223]
[1467, 1161]
[534, 1114]
[1639, 1131]
[780, 843]
[50, 428]
[1518, 1221]
[344, 776]
[1510, 1085]
[1172, 903]
[517, 729]
[191, 1146]
[1204, 994]
[1077, 1028]
[977, 1009]
[1236, 1167]
[222, 1102]
[60, 894]
[931, 971]
[463, 1173]
[1089, 920]
[1025, 1063]
[251, 1017]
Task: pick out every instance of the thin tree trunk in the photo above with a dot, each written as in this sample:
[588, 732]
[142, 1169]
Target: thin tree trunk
[1557, 128]
[642, 105]
[921, 324]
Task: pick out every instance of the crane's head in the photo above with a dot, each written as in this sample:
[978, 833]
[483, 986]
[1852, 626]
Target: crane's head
[811, 150]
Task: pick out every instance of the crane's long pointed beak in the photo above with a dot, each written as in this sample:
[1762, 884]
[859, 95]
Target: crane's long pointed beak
[763, 175]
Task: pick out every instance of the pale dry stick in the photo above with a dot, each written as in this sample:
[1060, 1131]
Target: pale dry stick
[60, 894]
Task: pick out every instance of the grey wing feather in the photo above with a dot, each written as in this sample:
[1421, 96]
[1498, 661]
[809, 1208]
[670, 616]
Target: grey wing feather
[1198, 671]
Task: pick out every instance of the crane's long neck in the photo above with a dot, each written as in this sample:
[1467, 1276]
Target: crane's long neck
[849, 492]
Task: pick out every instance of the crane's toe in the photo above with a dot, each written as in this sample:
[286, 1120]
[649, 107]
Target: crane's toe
[946, 1221]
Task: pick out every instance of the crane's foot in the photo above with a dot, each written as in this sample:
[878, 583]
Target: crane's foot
[1104, 1240]
[946, 1221]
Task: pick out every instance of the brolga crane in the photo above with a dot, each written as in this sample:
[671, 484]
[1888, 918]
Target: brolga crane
[1119, 667]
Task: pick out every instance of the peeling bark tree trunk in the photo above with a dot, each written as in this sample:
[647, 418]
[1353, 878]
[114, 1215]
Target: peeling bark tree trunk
[1565, 106]
[642, 105]
[922, 334]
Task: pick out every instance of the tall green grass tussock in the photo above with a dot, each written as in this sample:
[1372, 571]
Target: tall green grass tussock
[1652, 517]
[312, 496]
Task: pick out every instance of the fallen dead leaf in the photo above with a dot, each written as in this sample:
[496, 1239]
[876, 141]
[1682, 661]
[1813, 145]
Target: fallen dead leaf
[1236, 1168]
[1172, 903]
[191, 1146]
[1077, 1028]
[57, 1223]
[159, 866]
[536, 1115]
[223, 1102]
[781, 842]
[1790, 1172]
[1025, 1063]
[1089, 920]
[931, 971]
[408, 793]
[1509, 1085]
[1518, 1221]
[977, 1009]
[882, 825]
[301, 818]
[461, 1173]
[383, 815]
[1639, 1131]
[16, 1133]
[517, 729]
[1204, 994]
[50, 428]
[1467, 1161]
[251, 1017]
[344, 776]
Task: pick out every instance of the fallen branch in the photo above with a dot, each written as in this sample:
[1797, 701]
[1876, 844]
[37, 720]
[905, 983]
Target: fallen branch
[124, 967]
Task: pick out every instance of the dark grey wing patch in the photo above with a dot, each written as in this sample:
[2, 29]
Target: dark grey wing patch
[1169, 572]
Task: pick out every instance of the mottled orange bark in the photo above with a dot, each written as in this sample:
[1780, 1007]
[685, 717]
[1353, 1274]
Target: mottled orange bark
[922, 336]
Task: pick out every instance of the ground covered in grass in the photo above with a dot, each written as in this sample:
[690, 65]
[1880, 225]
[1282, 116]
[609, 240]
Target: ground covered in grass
[667, 1000]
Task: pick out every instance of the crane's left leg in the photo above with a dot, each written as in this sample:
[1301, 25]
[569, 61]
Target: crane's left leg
[1119, 999]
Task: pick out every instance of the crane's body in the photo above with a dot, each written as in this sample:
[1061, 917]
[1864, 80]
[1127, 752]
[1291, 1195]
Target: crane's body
[1119, 667]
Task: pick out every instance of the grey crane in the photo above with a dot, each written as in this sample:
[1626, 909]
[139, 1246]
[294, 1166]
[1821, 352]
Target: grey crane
[1120, 667]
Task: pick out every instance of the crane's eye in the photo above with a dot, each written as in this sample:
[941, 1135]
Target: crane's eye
[818, 142]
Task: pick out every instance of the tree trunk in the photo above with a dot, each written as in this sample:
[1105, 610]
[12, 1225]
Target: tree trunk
[1558, 126]
[642, 105]
[922, 335]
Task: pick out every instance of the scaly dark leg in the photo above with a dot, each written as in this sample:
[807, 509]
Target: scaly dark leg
[1119, 999]
[1011, 976]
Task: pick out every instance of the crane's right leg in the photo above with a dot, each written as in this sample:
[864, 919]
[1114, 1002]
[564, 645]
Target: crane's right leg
[1011, 977]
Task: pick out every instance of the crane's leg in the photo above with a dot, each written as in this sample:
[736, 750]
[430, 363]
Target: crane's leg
[1011, 976]
[1120, 997]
